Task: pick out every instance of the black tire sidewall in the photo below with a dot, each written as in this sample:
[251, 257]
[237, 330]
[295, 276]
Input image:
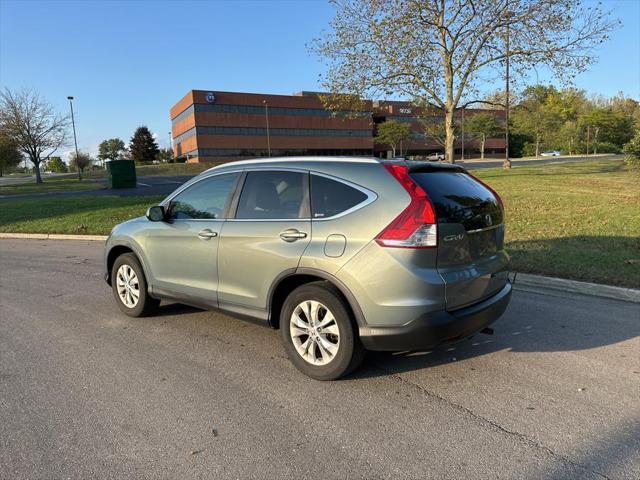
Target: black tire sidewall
[342, 362]
[145, 302]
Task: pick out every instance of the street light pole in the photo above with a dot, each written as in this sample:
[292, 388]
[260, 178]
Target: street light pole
[462, 128]
[507, 162]
[171, 143]
[75, 140]
[266, 115]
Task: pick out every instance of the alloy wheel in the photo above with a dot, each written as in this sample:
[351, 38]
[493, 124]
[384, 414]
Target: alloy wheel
[314, 332]
[128, 286]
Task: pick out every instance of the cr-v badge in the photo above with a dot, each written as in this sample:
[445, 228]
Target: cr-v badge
[452, 238]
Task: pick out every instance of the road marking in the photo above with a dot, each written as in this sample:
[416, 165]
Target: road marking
[144, 184]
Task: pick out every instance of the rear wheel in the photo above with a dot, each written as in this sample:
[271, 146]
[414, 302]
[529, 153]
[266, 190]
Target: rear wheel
[130, 287]
[318, 333]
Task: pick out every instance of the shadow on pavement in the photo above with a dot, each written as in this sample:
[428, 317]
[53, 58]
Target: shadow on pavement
[575, 323]
[610, 458]
[172, 309]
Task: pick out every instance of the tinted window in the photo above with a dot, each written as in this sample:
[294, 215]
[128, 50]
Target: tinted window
[458, 198]
[272, 195]
[330, 197]
[205, 199]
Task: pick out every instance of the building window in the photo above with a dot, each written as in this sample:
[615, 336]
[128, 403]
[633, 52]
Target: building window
[259, 110]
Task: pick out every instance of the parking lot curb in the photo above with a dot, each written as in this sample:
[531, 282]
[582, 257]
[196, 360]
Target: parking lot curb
[525, 281]
[53, 236]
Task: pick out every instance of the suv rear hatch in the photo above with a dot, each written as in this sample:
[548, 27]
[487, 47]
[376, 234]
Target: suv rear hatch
[470, 254]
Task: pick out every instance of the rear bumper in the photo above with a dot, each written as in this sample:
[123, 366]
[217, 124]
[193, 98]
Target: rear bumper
[432, 329]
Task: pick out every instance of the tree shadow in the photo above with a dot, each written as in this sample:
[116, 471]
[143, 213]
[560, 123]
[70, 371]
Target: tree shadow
[606, 259]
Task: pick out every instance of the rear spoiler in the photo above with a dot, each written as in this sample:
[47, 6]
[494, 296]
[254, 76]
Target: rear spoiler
[426, 166]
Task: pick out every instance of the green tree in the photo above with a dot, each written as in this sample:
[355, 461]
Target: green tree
[483, 126]
[111, 149]
[143, 147]
[166, 155]
[80, 162]
[606, 125]
[393, 134]
[10, 156]
[632, 153]
[536, 115]
[439, 53]
[570, 135]
[55, 164]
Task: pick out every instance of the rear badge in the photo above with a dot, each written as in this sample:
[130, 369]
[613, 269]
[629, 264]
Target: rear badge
[452, 238]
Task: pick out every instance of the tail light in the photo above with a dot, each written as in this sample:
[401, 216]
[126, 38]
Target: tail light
[495, 194]
[416, 226]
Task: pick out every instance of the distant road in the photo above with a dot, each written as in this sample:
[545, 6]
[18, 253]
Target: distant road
[7, 180]
[518, 162]
[164, 185]
[148, 185]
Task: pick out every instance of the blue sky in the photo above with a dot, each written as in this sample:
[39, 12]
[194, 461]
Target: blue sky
[127, 63]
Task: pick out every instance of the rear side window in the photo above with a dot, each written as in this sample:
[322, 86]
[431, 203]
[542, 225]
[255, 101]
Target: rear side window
[205, 199]
[330, 197]
[273, 195]
[457, 197]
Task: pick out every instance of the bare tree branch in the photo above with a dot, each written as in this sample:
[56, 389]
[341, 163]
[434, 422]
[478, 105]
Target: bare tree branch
[439, 52]
[32, 124]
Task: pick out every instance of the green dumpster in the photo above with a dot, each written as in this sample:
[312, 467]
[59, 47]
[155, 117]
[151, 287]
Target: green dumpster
[121, 173]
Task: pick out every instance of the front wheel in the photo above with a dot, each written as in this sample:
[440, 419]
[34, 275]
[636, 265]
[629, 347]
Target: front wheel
[318, 333]
[130, 287]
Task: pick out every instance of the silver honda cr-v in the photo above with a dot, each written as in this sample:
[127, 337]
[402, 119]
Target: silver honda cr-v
[342, 255]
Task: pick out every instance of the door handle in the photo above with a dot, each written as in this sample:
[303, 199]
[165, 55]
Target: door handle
[291, 235]
[206, 234]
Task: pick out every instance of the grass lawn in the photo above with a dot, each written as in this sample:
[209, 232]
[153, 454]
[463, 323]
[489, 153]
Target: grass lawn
[50, 185]
[82, 215]
[577, 220]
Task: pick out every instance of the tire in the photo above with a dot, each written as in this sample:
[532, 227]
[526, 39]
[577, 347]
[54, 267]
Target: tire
[332, 347]
[131, 273]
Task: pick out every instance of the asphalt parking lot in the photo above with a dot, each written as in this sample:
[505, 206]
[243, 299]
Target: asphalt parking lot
[86, 392]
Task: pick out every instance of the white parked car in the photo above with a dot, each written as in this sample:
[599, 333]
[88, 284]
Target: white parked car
[436, 157]
[551, 153]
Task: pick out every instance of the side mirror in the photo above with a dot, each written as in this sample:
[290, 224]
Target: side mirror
[156, 213]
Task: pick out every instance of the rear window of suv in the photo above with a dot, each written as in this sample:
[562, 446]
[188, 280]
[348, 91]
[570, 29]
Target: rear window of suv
[331, 197]
[456, 196]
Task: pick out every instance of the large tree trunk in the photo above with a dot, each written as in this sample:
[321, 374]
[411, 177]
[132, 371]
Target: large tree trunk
[450, 138]
[36, 166]
[537, 144]
[484, 138]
